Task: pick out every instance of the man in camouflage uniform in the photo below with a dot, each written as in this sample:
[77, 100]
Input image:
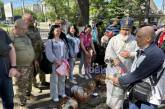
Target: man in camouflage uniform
[25, 56]
[34, 34]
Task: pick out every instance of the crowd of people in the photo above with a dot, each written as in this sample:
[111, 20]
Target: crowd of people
[129, 58]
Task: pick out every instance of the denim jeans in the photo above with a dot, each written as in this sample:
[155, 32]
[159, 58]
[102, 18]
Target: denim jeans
[6, 92]
[141, 105]
[57, 85]
[71, 63]
[81, 62]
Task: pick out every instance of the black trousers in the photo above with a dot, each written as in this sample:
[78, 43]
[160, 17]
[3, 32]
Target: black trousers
[6, 86]
[6, 93]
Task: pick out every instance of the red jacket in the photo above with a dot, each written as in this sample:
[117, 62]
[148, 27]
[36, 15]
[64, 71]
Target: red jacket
[161, 39]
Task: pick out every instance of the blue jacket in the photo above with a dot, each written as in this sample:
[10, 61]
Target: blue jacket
[153, 60]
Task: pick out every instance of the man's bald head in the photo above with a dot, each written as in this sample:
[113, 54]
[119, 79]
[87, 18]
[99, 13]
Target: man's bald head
[147, 31]
[19, 23]
[145, 36]
[28, 18]
[20, 27]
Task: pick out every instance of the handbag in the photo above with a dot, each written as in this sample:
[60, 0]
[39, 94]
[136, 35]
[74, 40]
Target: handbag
[45, 64]
[142, 90]
[63, 69]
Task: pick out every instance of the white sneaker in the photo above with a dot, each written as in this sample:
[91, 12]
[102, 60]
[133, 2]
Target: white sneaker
[63, 96]
[73, 81]
[95, 94]
[23, 107]
[86, 76]
[74, 78]
[56, 100]
[80, 75]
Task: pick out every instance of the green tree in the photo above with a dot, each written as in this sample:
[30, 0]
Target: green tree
[2, 14]
[63, 9]
[84, 11]
[1, 3]
[101, 9]
[40, 16]
[17, 12]
[81, 10]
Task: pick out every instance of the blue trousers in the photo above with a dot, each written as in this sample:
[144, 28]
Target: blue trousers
[57, 85]
[81, 62]
[141, 105]
[6, 93]
[71, 63]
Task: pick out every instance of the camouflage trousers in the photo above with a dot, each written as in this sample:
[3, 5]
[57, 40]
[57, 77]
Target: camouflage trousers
[24, 82]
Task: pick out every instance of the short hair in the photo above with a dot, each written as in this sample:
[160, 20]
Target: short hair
[147, 31]
[59, 21]
[27, 14]
[19, 23]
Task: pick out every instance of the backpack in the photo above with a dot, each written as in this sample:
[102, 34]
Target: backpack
[151, 90]
[45, 64]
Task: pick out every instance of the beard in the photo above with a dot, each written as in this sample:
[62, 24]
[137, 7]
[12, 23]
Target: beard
[125, 37]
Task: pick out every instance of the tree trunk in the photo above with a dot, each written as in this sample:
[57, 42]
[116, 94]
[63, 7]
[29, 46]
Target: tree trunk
[84, 11]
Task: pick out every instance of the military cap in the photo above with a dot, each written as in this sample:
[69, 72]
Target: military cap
[126, 22]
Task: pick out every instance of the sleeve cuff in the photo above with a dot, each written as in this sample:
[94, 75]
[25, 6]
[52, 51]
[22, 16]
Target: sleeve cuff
[122, 84]
[121, 81]
[133, 54]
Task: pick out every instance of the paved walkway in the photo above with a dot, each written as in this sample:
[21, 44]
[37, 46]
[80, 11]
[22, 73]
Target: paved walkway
[41, 100]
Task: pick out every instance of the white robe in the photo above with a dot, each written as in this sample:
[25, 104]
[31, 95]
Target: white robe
[115, 46]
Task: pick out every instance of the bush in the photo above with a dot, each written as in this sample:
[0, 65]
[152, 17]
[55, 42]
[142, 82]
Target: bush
[3, 25]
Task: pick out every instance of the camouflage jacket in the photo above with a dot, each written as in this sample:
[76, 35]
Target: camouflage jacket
[34, 34]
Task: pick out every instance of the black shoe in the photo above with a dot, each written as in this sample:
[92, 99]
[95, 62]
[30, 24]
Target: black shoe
[107, 107]
[27, 97]
[31, 97]
[40, 85]
[35, 84]
[45, 83]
